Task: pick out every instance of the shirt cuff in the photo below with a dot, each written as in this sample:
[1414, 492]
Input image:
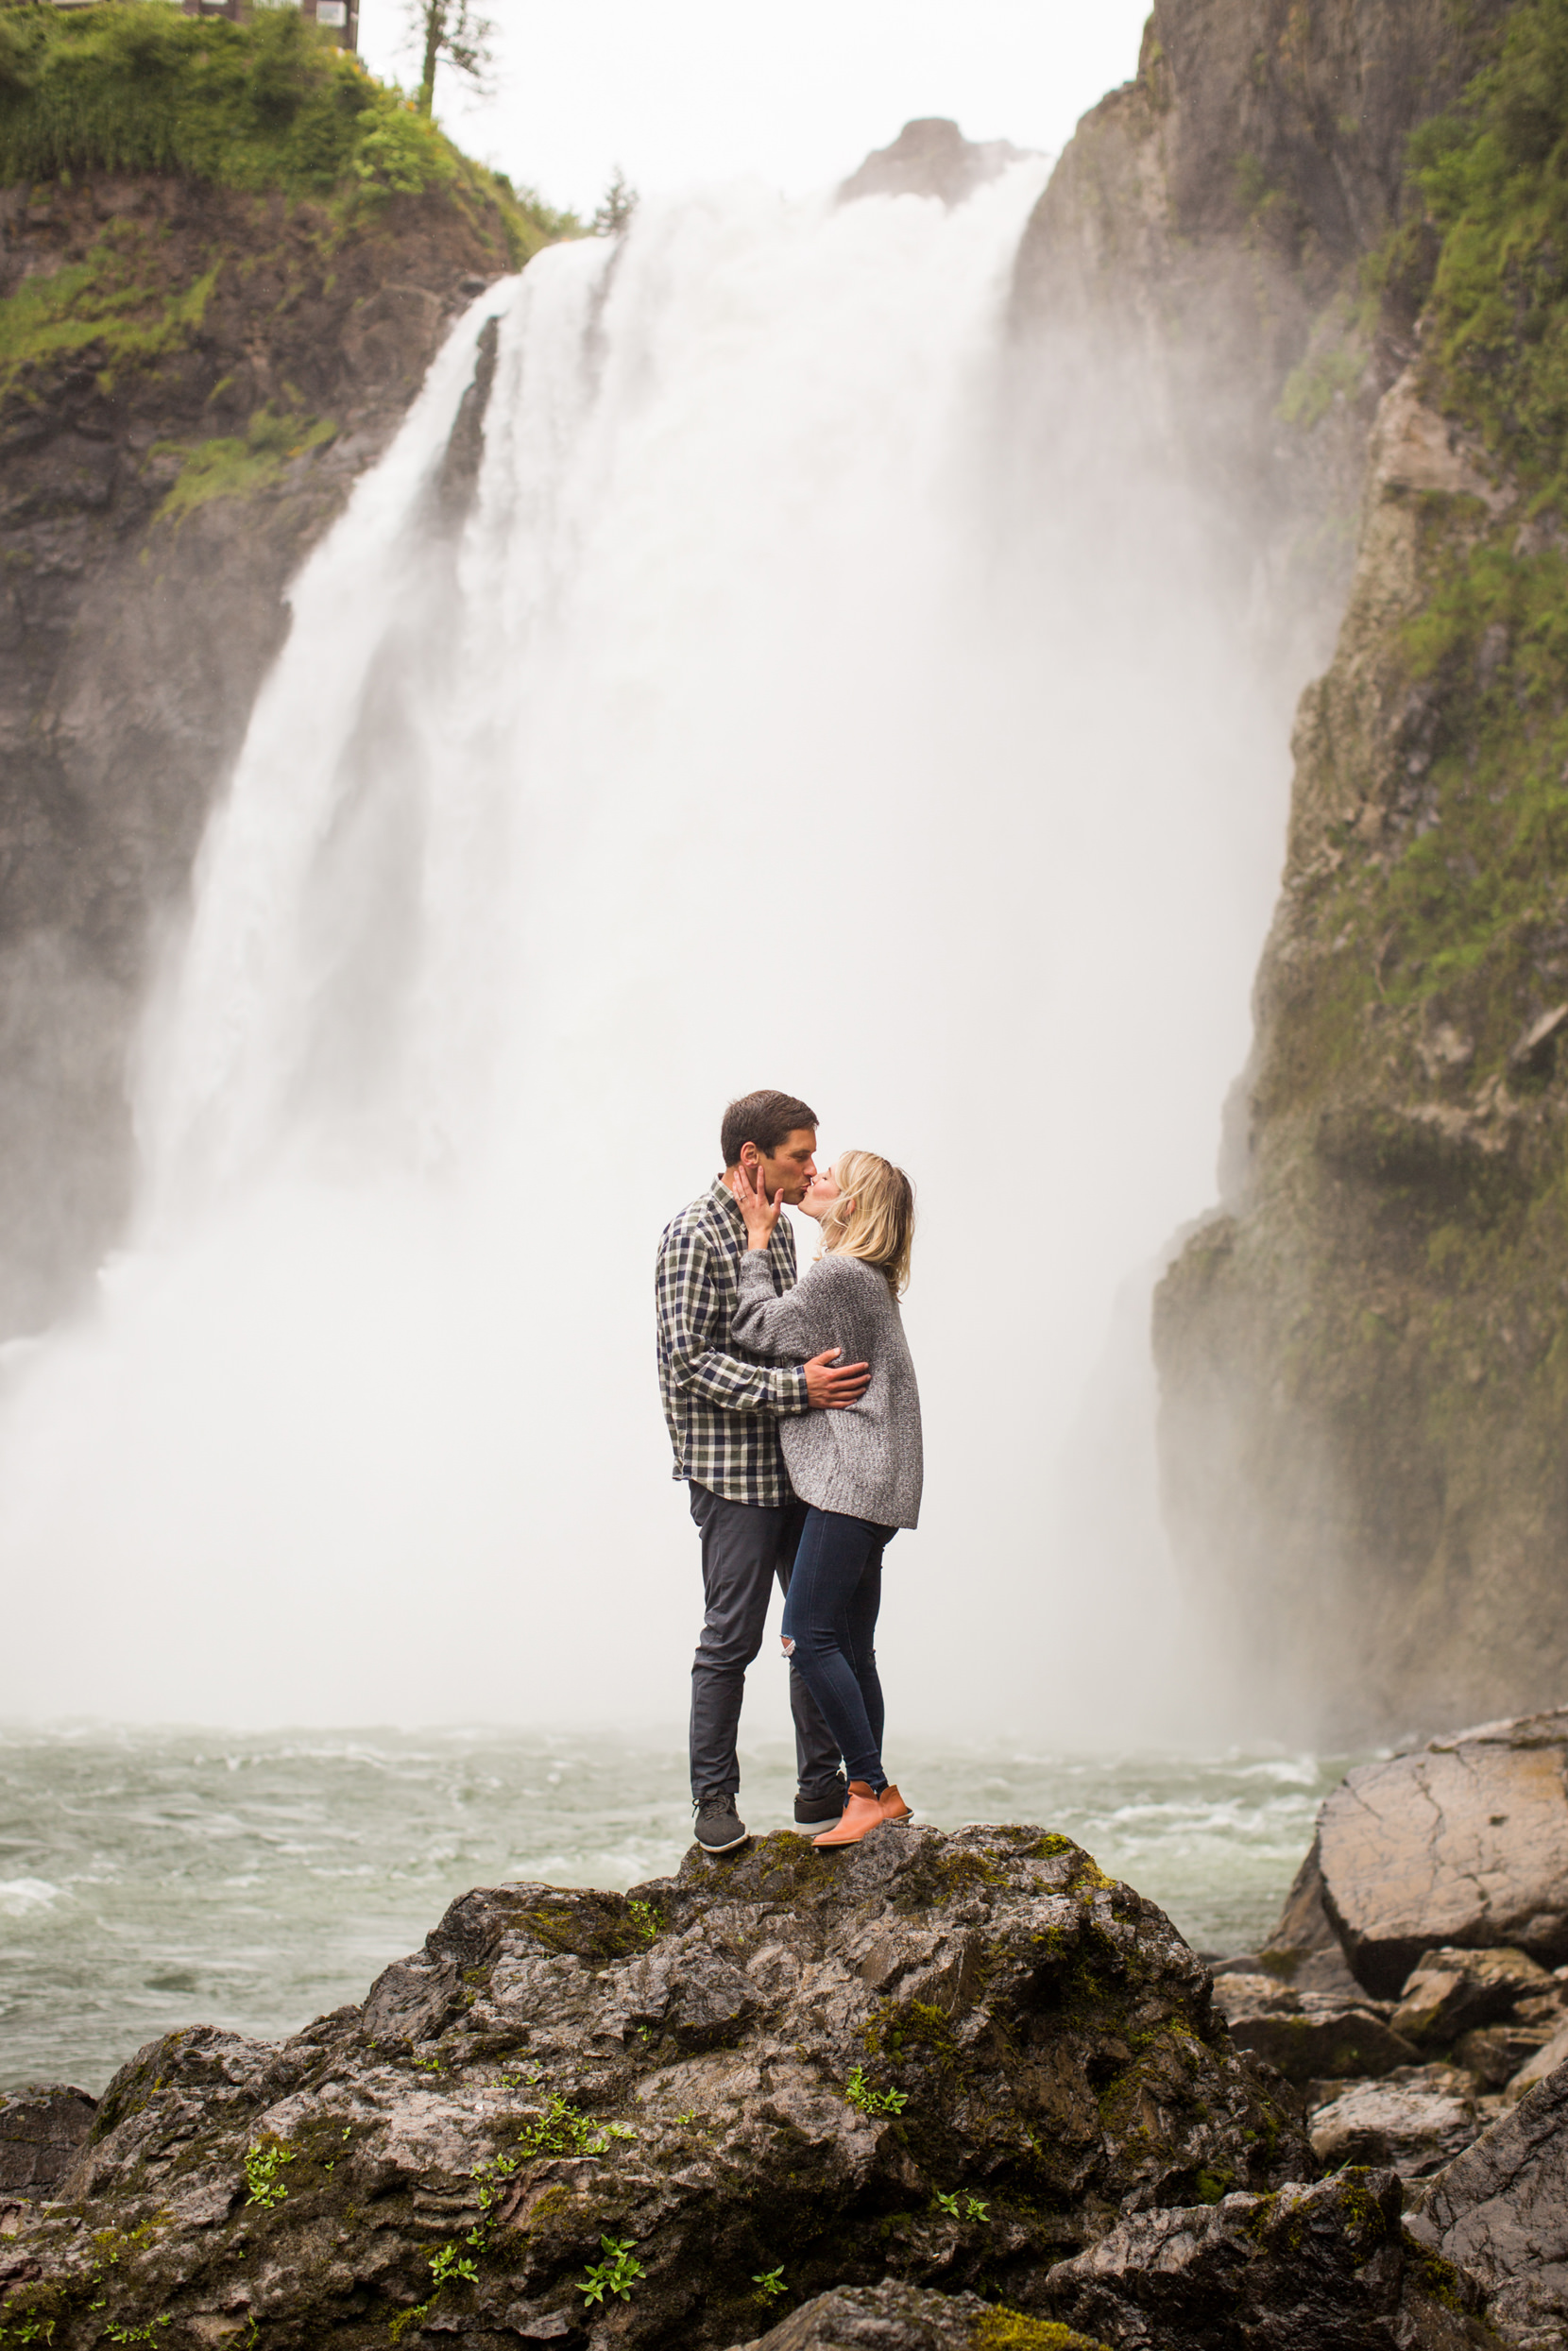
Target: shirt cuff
[792, 1390]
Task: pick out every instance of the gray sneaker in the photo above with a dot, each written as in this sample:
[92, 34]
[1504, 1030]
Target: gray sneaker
[720, 1827]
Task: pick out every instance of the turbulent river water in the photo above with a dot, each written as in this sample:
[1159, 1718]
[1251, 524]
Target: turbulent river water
[150, 1880]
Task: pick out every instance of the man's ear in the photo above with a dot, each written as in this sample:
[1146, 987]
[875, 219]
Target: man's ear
[750, 1156]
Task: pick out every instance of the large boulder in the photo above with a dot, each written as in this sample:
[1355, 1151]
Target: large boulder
[1500, 2210]
[944, 2060]
[1462, 1845]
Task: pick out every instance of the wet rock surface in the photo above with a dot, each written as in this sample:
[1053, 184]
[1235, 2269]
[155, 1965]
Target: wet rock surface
[1413, 2121]
[948, 2061]
[1312, 2267]
[41, 2133]
[1500, 2212]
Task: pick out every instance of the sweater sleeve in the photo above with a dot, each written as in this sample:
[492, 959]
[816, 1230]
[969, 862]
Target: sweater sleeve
[691, 1319]
[771, 1325]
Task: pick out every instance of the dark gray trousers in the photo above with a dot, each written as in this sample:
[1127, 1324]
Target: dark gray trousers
[748, 1552]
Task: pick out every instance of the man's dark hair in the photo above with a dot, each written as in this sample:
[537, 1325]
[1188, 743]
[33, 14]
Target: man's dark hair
[766, 1120]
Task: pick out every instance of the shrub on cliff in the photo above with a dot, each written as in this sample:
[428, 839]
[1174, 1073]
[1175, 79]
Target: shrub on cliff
[1494, 177]
[135, 86]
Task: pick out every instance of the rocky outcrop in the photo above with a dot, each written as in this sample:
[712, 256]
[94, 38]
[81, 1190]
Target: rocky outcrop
[159, 489]
[1198, 257]
[930, 157]
[951, 2061]
[933, 2093]
[1361, 1356]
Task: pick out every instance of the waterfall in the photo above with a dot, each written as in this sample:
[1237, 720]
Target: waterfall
[766, 719]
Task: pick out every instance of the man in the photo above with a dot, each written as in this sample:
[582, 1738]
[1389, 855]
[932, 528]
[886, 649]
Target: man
[722, 1405]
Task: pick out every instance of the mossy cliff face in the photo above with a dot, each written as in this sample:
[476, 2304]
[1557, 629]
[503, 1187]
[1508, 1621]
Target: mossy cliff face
[225, 258]
[1364, 1361]
[949, 2061]
[1199, 261]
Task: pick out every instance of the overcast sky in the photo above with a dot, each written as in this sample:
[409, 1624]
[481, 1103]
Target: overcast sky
[700, 89]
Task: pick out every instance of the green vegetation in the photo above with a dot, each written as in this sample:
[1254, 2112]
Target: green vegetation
[562, 2130]
[617, 2274]
[1494, 174]
[769, 2284]
[860, 2094]
[273, 105]
[117, 300]
[263, 2164]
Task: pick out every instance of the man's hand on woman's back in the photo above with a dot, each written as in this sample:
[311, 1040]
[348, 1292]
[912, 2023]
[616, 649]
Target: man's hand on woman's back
[829, 1387]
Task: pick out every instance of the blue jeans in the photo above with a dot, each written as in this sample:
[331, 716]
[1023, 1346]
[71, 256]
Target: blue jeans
[830, 1618]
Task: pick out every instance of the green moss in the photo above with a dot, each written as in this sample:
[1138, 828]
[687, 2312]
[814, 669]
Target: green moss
[238, 469]
[1001, 2329]
[916, 2029]
[114, 299]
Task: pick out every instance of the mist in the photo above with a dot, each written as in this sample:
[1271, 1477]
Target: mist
[787, 712]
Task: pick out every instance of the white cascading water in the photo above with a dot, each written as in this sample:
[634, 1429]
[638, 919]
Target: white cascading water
[768, 724]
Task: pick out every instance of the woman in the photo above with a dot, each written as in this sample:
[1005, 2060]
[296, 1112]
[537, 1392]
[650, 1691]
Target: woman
[859, 1469]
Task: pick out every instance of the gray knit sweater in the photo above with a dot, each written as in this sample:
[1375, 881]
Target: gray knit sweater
[864, 1460]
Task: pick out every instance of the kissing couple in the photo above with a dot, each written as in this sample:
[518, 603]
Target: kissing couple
[794, 1417]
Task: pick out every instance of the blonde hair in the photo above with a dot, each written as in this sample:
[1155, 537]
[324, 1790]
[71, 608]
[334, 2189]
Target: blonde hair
[873, 1218]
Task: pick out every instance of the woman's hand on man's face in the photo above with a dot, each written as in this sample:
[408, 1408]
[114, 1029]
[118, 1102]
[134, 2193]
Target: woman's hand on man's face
[761, 1212]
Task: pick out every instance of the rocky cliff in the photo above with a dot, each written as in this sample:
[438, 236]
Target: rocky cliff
[1212, 259]
[1364, 1355]
[227, 258]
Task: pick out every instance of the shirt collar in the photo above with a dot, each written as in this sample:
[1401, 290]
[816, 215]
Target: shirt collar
[728, 1202]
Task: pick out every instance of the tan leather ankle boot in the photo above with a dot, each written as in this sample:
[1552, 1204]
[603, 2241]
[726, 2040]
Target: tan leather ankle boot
[861, 1813]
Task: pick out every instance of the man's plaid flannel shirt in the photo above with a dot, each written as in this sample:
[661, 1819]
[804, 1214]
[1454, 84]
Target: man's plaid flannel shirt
[722, 1403]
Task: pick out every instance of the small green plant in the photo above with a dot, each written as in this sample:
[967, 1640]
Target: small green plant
[860, 2094]
[975, 2210]
[962, 2208]
[617, 2274]
[448, 2263]
[947, 2205]
[561, 2130]
[135, 2334]
[263, 2164]
[646, 1919]
[770, 2285]
[685, 2121]
[30, 2330]
[427, 2065]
